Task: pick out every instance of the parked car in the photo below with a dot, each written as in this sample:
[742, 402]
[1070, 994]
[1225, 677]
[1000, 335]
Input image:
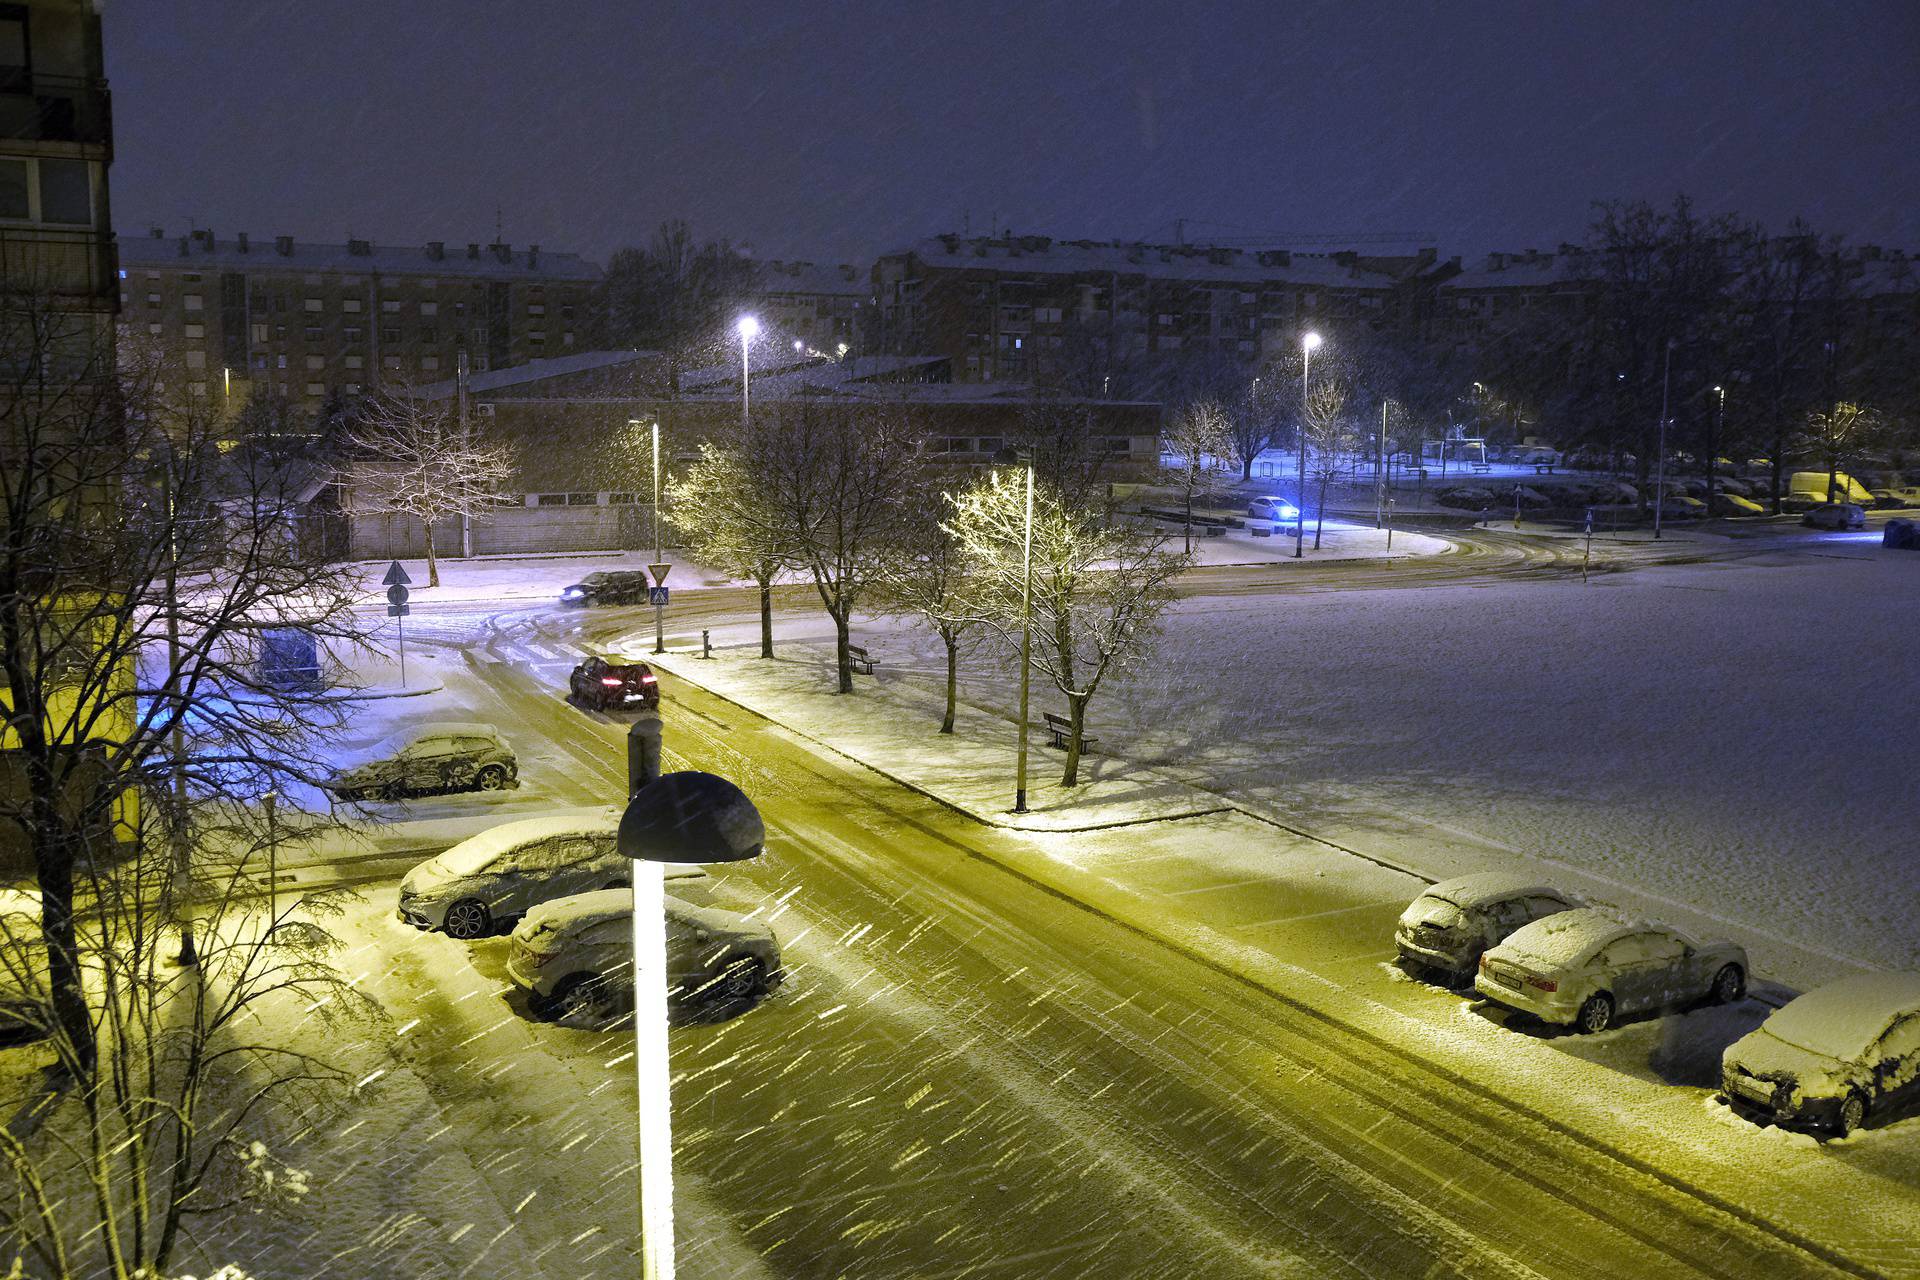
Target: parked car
[1836, 516]
[1584, 968]
[1272, 508]
[1678, 506]
[436, 757]
[1732, 504]
[609, 586]
[1832, 1057]
[577, 953]
[1447, 927]
[486, 880]
[1902, 496]
[600, 684]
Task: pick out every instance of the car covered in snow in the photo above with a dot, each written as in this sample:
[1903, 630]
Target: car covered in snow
[576, 954]
[1272, 508]
[1832, 1057]
[1584, 968]
[1836, 516]
[429, 758]
[1897, 496]
[601, 684]
[608, 586]
[473, 888]
[1451, 924]
[1733, 504]
[23, 963]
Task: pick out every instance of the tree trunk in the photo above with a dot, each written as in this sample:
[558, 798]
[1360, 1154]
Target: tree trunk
[1833, 478]
[53, 867]
[844, 660]
[1077, 719]
[953, 681]
[1320, 515]
[766, 616]
[1246, 467]
[433, 565]
[1779, 457]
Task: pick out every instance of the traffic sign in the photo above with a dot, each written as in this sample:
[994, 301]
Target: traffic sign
[659, 572]
[657, 595]
[396, 576]
[399, 610]
[397, 594]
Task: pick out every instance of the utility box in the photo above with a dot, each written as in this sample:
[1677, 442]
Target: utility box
[1904, 534]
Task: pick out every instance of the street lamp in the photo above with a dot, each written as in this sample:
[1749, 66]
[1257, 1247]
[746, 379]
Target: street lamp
[1380, 484]
[1713, 434]
[678, 818]
[1007, 457]
[747, 327]
[1308, 341]
[1660, 457]
[659, 552]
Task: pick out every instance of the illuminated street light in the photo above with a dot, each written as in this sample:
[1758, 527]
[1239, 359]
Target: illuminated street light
[1308, 341]
[1713, 435]
[747, 326]
[1023, 457]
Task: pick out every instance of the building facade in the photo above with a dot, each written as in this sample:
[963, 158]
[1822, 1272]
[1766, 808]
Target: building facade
[828, 309]
[1018, 307]
[313, 323]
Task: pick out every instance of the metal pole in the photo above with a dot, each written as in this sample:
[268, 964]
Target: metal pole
[1300, 516]
[1026, 646]
[652, 1073]
[177, 738]
[1380, 486]
[1660, 457]
[1389, 524]
[400, 620]
[743, 382]
[271, 801]
[1586, 558]
[1719, 422]
[466, 443]
[659, 552]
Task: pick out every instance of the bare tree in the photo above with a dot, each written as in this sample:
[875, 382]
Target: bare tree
[931, 577]
[719, 505]
[1199, 439]
[1331, 435]
[1838, 435]
[412, 456]
[1098, 591]
[837, 487]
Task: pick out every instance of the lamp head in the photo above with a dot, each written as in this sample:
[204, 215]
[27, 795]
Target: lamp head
[747, 326]
[1309, 340]
[690, 817]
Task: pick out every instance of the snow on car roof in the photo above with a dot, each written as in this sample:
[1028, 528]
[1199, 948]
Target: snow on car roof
[476, 852]
[1843, 1018]
[1564, 938]
[1484, 886]
[589, 908]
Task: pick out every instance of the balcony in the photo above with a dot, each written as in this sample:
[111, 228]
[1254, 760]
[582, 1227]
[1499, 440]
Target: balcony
[45, 108]
[58, 265]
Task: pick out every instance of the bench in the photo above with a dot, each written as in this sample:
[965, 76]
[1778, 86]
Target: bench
[1260, 530]
[859, 660]
[1543, 468]
[1062, 729]
[1482, 468]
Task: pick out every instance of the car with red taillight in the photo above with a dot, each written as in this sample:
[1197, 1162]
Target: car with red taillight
[1584, 968]
[601, 684]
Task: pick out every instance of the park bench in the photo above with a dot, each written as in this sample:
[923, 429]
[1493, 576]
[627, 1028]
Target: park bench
[1543, 468]
[859, 659]
[1062, 729]
[1482, 468]
[1260, 530]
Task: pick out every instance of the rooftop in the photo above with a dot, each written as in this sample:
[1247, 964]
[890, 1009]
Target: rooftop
[201, 248]
[778, 277]
[1042, 255]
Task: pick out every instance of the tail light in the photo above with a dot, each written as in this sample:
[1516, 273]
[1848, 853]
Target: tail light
[647, 678]
[612, 682]
[1483, 962]
[1542, 984]
[537, 958]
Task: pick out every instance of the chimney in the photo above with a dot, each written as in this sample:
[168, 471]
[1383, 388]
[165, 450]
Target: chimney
[437, 249]
[204, 239]
[533, 256]
[283, 245]
[473, 250]
[240, 241]
[360, 248]
[157, 232]
[502, 251]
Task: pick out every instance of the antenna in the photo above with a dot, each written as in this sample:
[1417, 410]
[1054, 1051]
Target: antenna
[496, 224]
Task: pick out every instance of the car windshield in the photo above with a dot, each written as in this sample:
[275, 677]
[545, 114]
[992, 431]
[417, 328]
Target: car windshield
[1840, 1021]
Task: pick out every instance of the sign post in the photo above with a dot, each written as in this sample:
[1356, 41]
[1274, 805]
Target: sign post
[1587, 557]
[657, 597]
[397, 608]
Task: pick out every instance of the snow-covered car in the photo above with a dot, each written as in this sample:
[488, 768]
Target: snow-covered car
[577, 953]
[1835, 516]
[1678, 506]
[1467, 498]
[608, 586]
[1897, 496]
[1585, 967]
[1832, 1057]
[22, 962]
[1732, 504]
[1447, 927]
[499, 875]
[1272, 508]
[429, 758]
[602, 684]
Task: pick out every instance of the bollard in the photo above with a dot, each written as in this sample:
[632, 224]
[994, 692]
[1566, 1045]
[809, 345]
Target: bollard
[643, 751]
[706, 643]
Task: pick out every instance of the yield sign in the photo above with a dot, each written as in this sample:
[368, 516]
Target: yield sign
[396, 576]
[659, 572]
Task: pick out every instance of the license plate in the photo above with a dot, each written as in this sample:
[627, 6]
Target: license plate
[1507, 980]
[1754, 1089]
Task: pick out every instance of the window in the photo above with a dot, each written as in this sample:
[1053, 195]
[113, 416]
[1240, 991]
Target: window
[312, 304]
[193, 302]
[66, 192]
[622, 499]
[389, 362]
[198, 390]
[546, 499]
[352, 333]
[391, 336]
[316, 362]
[583, 499]
[350, 304]
[1119, 444]
[355, 362]
[429, 308]
[155, 328]
[196, 331]
[1046, 315]
[279, 362]
[316, 388]
[390, 306]
[429, 362]
[352, 388]
[260, 361]
[536, 339]
[153, 300]
[312, 333]
[196, 359]
[260, 333]
[536, 308]
[14, 197]
[566, 339]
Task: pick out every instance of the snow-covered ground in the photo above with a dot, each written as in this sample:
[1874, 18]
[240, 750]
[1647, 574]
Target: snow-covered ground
[526, 578]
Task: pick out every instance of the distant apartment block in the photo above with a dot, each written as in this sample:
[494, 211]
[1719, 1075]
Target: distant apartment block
[56, 141]
[824, 307]
[1008, 307]
[309, 322]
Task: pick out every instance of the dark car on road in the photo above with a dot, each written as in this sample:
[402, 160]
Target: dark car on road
[429, 758]
[601, 684]
[608, 586]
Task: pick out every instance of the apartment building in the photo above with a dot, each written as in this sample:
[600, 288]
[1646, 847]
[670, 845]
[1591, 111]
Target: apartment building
[314, 322]
[1011, 307]
[824, 307]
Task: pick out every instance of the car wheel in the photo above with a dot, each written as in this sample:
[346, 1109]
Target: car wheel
[1729, 984]
[1853, 1114]
[743, 978]
[468, 919]
[1596, 1013]
[577, 993]
[491, 778]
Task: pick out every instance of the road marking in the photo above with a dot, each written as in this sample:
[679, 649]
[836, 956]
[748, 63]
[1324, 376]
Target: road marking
[1224, 884]
[1313, 915]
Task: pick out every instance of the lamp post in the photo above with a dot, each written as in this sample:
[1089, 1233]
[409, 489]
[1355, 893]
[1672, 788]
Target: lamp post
[1660, 456]
[1025, 458]
[1308, 341]
[659, 552]
[677, 818]
[746, 327]
[1713, 434]
[1380, 481]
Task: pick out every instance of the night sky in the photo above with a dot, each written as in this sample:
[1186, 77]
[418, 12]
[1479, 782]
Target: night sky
[843, 130]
